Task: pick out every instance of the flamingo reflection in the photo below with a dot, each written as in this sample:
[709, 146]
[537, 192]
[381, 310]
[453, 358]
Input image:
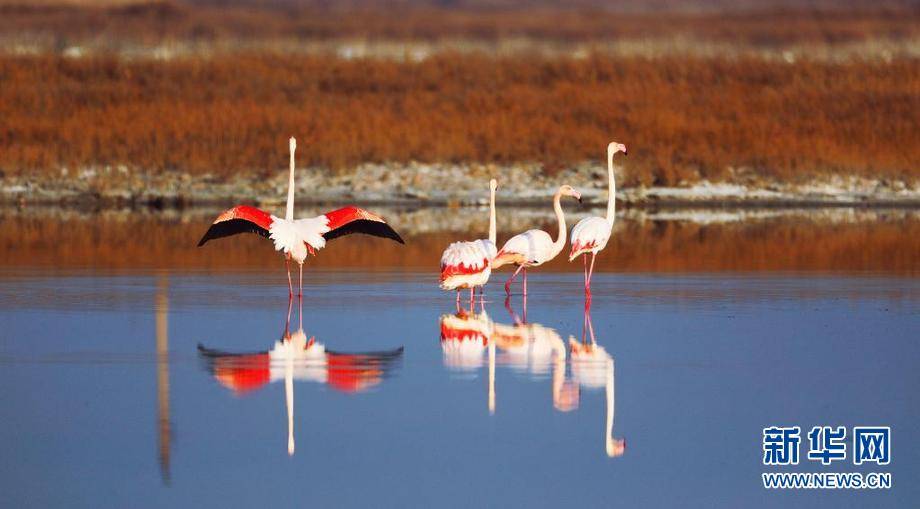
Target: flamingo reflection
[164, 425]
[526, 347]
[529, 347]
[296, 357]
[535, 350]
[464, 338]
[593, 368]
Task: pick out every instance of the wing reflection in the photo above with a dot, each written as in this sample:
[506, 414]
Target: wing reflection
[296, 357]
[534, 350]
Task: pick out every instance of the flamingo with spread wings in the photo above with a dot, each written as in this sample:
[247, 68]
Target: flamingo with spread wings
[297, 238]
[591, 234]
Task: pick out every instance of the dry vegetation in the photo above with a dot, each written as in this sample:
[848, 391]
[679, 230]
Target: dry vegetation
[157, 22]
[683, 118]
[769, 245]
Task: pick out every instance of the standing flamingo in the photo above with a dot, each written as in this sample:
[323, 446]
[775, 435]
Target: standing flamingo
[535, 247]
[467, 264]
[591, 234]
[297, 238]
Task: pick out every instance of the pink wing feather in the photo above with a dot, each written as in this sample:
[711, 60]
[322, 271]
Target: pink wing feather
[239, 219]
[351, 219]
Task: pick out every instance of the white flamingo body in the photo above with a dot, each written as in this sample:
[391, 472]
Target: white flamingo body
[590, 235]
[530, 249]
[535, 247]
[475, 256]
[292, 237]
[468, 264]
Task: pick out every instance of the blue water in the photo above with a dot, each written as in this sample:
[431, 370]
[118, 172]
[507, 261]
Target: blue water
[702, 364]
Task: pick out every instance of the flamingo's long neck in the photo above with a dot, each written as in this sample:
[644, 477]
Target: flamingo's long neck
[560, 217]
[492, 216]
[289, 212]
[612, 188]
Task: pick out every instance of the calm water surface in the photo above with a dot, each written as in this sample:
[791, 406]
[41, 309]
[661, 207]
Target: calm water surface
[127, 389]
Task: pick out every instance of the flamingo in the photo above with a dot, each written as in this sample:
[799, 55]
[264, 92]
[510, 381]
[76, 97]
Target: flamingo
[535, 247]
[590, 235]
[300, 237]
[467, 264]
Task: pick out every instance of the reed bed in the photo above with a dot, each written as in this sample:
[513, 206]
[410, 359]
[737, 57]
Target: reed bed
[683, 118]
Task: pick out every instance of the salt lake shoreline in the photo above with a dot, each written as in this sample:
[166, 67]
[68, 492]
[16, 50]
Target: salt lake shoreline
[439, 185]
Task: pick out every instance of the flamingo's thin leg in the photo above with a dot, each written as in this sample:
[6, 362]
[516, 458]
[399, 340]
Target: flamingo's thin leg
[472, 299]
[511, 280]
[458, 301]
[584, 258]
[525, 281]
[287, 265]
[590, 273]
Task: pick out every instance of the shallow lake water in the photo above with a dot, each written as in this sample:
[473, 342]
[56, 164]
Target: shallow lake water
[126, 386]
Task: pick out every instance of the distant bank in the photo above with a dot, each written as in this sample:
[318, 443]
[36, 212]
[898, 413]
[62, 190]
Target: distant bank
[417, 184]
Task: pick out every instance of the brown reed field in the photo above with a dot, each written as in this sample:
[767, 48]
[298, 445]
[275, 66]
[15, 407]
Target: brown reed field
[683, 118]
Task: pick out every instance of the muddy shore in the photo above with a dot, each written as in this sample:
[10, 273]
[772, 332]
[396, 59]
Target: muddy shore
[436, 185]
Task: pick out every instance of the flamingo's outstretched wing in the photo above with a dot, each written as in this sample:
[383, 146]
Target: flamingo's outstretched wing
[239, 219]
[347, 220]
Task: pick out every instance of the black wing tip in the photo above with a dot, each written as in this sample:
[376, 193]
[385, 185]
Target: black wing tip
[231, 227]
[396, 236]
[368, 227]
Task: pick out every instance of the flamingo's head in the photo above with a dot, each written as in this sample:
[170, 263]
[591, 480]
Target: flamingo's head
[615, 147]
[567, 190]
[493, 184]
